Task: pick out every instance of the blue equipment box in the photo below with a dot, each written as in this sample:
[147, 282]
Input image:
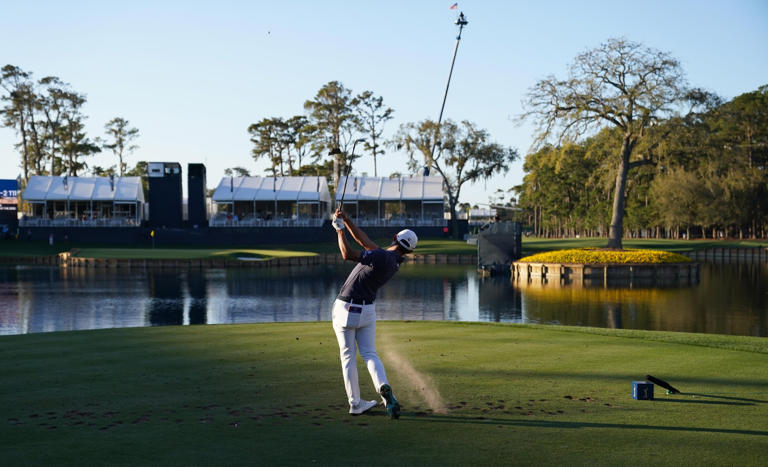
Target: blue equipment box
[642, 390]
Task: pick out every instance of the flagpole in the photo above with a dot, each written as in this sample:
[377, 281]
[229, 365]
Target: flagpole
[461, 22]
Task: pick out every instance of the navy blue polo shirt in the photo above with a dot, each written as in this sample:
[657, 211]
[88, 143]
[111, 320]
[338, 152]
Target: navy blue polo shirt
[375, 268]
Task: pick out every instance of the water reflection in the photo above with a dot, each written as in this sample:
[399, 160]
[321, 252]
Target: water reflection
[434, 295]
[10, 309]
[499, 301]
[730, 299]
[42, 299]
[614, 315]
[165, 291]
[285, 294]
[198, 294]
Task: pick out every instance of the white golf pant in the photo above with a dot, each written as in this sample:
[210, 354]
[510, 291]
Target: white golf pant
[355, 326]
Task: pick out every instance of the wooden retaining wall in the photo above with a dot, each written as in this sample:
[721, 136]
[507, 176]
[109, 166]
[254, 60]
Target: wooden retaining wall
[41, 260]
[685, 272]
[67, 260]
[756, 254]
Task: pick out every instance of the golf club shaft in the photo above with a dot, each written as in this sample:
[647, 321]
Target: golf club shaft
[344, 191]
[346, 177]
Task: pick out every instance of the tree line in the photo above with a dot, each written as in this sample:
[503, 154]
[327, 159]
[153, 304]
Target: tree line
[333, 119]
[337, 118]
[624, 146]
[706, 176]
[47, 117]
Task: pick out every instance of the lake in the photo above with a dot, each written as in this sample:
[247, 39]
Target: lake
[729, 298]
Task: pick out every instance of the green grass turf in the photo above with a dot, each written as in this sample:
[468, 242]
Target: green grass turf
[188, 253]
[24, 249]
[534, 244]
[426, 246]
[272, 394]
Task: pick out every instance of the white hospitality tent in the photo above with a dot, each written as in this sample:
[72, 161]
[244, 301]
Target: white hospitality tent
[271, 201]
[83, 200]
[380, 200]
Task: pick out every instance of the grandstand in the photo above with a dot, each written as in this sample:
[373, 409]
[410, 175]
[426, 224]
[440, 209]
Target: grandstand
[82, 202]
[417, 201]
[271, 202]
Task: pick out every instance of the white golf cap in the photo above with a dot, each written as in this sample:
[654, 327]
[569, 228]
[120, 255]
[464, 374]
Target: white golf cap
[407, 239]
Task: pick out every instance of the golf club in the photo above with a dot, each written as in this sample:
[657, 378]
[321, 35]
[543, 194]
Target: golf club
[660, 382]
[349, 168]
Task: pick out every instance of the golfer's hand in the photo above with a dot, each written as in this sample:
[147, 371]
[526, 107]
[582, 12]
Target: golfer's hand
[338, 223]
[340, 214]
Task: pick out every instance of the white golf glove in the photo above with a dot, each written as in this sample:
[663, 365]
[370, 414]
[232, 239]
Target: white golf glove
[338, 223]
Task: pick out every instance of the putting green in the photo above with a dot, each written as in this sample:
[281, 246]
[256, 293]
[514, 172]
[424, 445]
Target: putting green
[479, 394]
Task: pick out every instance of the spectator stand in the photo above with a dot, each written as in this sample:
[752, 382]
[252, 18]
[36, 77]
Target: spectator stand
[417, 201]
[271, 202]
[82, 202]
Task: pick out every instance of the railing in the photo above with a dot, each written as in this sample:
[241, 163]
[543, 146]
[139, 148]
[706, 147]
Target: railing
[224, 222]
[727, 254]
[220, 221]
[69, 222]
[402, 221]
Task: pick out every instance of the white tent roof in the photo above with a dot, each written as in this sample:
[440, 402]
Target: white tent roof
[128, 189]
[58, 189]
[248, 187]
[83, 189]
[37, 188]
[47, 188]
[382, 188]
[102, 191]
[290, 188]
[271, 189]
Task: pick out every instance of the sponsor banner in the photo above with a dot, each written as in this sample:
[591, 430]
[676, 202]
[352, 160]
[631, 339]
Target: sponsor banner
[8, 194]
[9, 190]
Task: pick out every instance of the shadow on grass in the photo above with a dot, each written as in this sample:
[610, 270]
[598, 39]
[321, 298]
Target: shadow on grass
[689, 382]
[574, 425]
[730, 398]
[700, 401]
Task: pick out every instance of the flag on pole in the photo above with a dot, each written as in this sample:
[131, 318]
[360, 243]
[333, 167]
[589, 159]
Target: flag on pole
[454, 6]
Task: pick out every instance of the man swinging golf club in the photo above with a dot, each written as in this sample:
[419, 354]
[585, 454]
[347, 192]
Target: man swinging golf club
[354, 311]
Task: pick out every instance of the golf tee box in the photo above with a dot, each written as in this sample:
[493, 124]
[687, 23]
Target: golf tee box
[642, 390]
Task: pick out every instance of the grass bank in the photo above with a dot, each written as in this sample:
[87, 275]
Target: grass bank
[473, 394]
[533, 245]
[427, 246]
[88, 250]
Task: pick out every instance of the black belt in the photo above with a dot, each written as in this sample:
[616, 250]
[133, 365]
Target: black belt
[354, 301]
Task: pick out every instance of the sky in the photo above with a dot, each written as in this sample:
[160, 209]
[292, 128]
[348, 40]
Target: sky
[192, 75]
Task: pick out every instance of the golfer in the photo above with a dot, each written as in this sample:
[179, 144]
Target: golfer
[354, 311]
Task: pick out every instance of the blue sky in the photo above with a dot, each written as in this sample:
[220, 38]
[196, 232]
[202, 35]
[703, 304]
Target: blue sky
[191, 76]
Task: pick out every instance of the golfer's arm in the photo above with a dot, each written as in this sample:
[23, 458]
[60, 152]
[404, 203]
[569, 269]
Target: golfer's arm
[360, 236]
[346, 250]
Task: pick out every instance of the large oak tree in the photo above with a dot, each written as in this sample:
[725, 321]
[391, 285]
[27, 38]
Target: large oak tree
[621, 84]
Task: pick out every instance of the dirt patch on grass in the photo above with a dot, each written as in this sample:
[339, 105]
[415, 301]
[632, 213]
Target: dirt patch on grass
[414, 378]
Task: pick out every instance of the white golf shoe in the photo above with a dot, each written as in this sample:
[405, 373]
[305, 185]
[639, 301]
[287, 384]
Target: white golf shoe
[363, 406]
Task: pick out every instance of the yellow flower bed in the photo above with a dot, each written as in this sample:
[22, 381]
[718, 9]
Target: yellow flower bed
[595, 255]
